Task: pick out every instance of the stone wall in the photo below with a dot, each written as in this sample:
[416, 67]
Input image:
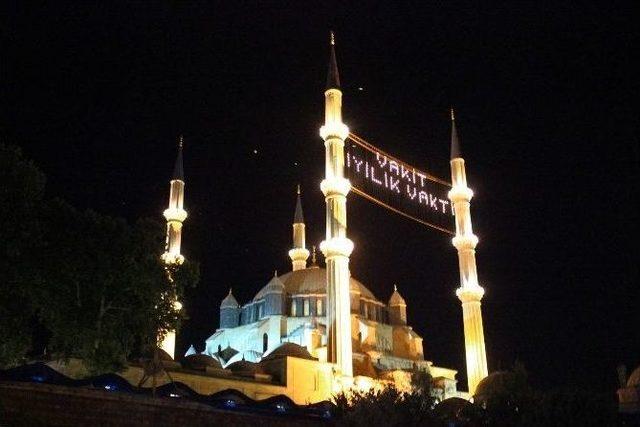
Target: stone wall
[52, 405]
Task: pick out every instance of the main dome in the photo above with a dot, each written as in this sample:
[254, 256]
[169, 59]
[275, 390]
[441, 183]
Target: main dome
[312, 280]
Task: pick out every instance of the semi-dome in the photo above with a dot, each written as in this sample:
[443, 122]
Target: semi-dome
[313, 281]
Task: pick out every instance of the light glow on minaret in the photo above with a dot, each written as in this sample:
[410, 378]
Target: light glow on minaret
[175, 216]
[470, 292]
[175, 213]
[336, 247]
[299, 253]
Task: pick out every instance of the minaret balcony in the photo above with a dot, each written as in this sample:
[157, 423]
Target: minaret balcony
[465, 241]
[335, 186]
[174, 214]
[470, 293]
[460, 194]
[299, 254]
[334, 130]
[336, 246]
[170, 258]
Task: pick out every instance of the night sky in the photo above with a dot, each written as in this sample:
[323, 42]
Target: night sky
[97, 95]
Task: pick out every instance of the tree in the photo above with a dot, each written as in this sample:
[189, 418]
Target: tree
[389, 406]
[106, 290]
[21, 192]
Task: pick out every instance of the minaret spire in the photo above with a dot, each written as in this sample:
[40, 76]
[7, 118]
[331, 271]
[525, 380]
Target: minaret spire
[299, 252]
[175, 213]
[175, 216]
[178, 169]
[470, 292]
[455, 141]
[333, 77]
[336, 247]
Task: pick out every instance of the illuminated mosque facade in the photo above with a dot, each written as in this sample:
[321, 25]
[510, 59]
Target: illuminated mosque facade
[291, 308]
[317, 330]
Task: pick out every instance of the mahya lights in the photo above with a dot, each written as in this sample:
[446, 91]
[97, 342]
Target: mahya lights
[470, 292]
[175, 216]
[407, 183]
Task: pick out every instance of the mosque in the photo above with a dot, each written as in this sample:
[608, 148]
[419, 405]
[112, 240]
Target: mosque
[291, 308]
[316, 330]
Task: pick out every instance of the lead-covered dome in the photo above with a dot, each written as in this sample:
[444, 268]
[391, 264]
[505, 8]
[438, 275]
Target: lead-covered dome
[313, 281]
[396, 298]
[229, 301]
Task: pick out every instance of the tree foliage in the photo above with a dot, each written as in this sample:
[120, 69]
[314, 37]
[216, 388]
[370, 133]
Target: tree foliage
[95, 282]
[21, 192]
[513, 402]
[389, 406]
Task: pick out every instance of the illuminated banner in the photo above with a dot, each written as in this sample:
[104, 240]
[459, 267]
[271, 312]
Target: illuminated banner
[398, 186]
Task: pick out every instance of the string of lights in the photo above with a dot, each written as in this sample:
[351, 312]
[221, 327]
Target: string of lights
[397, 186]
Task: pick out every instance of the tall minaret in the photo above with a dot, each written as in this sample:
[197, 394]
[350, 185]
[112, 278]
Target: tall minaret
[470, 292]
[336, 247]
[299, 253]
[175, 215]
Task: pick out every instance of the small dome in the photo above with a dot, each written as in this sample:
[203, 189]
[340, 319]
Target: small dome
[200, 362]
[396, 298]
[248, 355]
[275, 285]
[243, 368]
[289, 349]
[229, 301]
[634, 378]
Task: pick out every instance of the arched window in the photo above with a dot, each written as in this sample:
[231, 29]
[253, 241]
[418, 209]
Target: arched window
[319, 307]
[293, 308]
[265, 342]
[305, 307]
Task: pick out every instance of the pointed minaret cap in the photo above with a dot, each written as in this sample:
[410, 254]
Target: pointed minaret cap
[396, 298]
[191, 351]
[229, 301]
[333, 77]
[456, 153]
[298, 217]
[178, 169]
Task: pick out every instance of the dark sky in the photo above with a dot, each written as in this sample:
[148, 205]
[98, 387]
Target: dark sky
[97, 94]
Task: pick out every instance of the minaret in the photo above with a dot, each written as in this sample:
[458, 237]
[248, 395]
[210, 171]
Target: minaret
[175, 215]
[470, 292]
[336, 247]
[299, 253]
